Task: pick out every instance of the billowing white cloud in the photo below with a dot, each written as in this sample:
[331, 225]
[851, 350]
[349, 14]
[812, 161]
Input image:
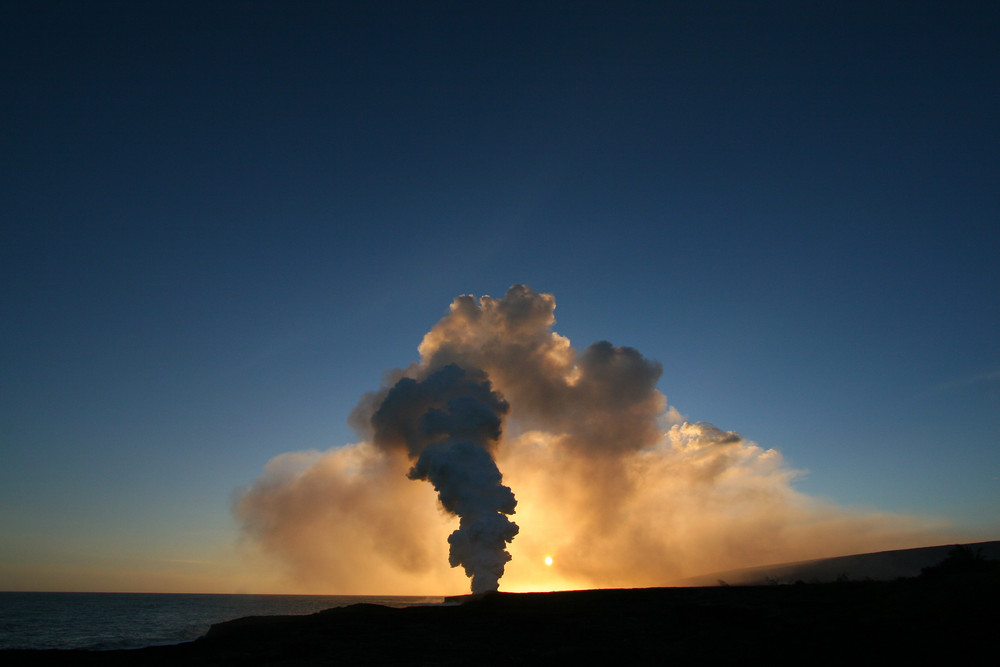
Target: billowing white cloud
[609, 480]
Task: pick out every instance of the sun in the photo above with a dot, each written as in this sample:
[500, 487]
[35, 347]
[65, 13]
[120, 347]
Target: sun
[548, 560]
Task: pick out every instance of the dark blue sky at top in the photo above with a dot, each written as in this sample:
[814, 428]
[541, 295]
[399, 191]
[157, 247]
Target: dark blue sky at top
[223, 221]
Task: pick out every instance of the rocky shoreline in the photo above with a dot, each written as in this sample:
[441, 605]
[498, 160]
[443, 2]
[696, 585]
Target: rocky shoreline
[916, 619]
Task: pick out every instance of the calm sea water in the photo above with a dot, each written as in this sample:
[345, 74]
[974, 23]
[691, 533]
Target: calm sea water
[101, 621]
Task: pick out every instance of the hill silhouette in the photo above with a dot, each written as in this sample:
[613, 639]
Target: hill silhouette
[879, 566]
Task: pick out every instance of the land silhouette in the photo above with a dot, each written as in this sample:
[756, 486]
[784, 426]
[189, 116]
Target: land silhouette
[946, 612]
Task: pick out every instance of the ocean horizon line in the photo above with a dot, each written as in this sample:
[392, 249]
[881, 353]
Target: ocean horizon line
[105, 620]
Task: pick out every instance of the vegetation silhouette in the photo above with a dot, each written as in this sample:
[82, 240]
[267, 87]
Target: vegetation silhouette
[963, 562]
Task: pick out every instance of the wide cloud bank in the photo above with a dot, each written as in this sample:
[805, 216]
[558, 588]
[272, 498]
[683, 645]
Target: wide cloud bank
[610, 482]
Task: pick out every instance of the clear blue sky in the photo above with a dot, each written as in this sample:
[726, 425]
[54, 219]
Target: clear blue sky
[223, 221]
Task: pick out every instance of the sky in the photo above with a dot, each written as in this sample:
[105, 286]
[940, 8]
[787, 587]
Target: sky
[224, 223]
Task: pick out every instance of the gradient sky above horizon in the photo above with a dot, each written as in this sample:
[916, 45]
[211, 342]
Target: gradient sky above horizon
[223, 222]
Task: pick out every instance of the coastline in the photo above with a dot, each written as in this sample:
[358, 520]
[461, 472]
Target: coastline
[816, 623]
[100, 621]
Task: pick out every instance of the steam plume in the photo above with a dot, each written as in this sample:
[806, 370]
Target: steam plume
[613, 483]
[450, 423]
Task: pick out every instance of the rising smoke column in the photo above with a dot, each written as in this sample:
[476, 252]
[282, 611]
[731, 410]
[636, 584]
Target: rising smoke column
[450, 424]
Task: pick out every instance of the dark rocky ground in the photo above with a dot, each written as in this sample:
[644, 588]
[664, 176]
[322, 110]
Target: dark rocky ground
[949, 616]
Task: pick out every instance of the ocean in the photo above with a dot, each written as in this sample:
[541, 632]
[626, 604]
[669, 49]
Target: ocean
[103, 621]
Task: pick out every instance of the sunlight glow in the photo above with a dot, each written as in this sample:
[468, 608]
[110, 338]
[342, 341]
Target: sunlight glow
[548, 560]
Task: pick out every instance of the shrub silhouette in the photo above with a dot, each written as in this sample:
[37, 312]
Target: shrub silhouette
[961, 561]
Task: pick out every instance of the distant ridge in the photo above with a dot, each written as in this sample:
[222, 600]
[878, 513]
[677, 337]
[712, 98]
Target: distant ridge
[879, 566]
